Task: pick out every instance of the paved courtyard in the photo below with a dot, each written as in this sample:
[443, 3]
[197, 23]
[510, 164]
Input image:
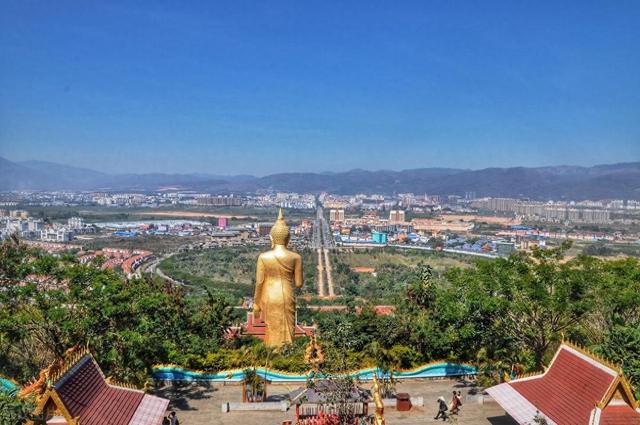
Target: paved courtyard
[200, 405]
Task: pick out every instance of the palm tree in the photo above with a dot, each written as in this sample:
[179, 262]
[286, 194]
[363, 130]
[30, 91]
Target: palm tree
[387, 363]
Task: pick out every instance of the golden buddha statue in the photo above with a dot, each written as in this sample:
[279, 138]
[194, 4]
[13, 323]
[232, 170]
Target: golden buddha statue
[276, 273]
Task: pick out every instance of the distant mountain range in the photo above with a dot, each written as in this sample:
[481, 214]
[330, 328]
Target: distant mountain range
[614, 181]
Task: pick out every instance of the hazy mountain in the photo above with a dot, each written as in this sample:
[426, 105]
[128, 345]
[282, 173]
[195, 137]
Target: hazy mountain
[359, 181]
[66, 176]
[43, 175]
[599, 182]
[16, 176]
[621, 181]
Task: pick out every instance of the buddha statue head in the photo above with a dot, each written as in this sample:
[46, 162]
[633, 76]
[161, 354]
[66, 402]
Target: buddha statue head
[280, 231]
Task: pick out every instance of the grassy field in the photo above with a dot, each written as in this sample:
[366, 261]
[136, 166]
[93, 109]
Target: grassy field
[410, 258]
[393, 269]
[604, 250]
[230, 270]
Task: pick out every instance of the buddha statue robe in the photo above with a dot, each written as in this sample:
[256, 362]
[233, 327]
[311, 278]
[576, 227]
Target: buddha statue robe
[277, 271]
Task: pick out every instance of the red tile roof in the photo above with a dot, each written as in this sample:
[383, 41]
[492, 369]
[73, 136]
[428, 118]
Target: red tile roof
[150, 411]
[619, 415]
[569, 390]
[577, 388]
[85, 393]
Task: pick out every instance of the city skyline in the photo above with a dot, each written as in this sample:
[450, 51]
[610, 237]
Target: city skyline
[232, 89]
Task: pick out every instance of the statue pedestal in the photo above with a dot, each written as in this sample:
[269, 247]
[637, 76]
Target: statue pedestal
[255, 326]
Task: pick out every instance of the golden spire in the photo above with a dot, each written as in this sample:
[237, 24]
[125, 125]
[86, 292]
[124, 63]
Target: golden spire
[313, 354]
[377, 399]
[280, 230]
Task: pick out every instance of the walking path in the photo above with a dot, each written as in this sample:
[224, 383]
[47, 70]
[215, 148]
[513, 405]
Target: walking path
[200, 405]
[329, 270]
[320, 275]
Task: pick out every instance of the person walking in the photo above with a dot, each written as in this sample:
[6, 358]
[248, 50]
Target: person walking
[455, 404]
[173, 418]
[442, 409]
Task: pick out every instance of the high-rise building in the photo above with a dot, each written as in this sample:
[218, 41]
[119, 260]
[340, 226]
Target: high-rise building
[264, 228]
[396, 216]
[220, 201]
[502, 204]
[573, 215]
[19, 214]
[336, 215]
[596, 216]
[75, 222]
[223, 222]
[34, 225]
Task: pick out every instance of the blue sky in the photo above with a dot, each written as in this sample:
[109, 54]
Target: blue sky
[260, 87]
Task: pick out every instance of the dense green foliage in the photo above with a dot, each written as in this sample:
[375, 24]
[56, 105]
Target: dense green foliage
[230, 271]
[128, 324]
[502, 313]
[393, 267]
[13, 410]
[495, 314]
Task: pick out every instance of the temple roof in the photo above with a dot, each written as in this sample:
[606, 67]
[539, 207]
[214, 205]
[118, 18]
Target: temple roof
[576, 388]
[82, 392]
[619, 415]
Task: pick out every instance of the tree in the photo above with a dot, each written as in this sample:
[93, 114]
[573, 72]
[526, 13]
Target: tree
[528, 299]
[617, 292]
[421, 292]
[128, 324]
[620, 345]
[13, 410]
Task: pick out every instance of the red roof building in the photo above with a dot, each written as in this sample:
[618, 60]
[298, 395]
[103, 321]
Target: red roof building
[130, 265]
[577, 388]
[79, 394]
[256, 327]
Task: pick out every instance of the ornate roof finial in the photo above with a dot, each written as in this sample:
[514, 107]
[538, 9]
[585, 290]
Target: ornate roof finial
[313, 354]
